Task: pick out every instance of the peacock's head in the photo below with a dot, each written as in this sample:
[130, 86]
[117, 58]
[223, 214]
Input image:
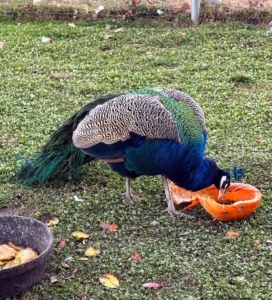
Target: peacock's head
[222, 182]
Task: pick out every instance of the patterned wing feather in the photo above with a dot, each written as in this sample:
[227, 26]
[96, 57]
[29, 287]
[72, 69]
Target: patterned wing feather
[113, 121]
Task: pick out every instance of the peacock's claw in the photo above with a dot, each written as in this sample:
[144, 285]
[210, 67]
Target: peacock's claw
[132, 198]
[174, 213]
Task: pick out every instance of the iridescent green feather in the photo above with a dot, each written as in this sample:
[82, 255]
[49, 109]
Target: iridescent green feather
[187, 122]
[58, 155]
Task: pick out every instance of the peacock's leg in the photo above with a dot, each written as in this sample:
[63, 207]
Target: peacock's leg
[170, 205]
[128, 194]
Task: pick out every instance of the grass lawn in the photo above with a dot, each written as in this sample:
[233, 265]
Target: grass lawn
[227, 69]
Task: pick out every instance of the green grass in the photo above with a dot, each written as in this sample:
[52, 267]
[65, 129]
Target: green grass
[227, 69]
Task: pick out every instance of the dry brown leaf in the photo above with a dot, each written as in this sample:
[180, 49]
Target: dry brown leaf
[92, 252]
[177, 9]
[65, 265]
[233, 234]
[136, 257]
[121, 29]
[80, 235]
[109, 280]
[257, 242]
[52, 222]
[113, 227]
[107, 226]
[154, 285]
[83, 258]
[71, 24]
[104, 225]
[107, 37]
[61, 244]
[1, 45]
[108, 27]
[53, 279]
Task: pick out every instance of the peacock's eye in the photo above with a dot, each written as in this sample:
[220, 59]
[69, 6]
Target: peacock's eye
[224, 182]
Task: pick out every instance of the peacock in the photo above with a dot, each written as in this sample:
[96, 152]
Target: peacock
[156, 131]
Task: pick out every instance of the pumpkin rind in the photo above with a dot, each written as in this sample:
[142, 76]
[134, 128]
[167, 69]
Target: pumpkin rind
[246, 199]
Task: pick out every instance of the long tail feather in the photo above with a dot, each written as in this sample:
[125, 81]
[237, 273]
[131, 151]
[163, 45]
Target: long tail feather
[58, 155]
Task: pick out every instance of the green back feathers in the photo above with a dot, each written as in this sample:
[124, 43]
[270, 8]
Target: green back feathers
[187, 122]
[58, 155]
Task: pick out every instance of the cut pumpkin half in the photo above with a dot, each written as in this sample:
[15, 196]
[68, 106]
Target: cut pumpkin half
[240, 200]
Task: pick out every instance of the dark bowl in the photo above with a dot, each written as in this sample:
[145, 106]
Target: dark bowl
[24, 232]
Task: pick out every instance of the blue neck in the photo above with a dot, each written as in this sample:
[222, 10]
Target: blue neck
[196, 178]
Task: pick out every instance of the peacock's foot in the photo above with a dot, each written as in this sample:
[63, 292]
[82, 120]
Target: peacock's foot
[132, 198]
[173, 213]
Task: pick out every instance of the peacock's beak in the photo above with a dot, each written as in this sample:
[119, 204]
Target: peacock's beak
[221, 193]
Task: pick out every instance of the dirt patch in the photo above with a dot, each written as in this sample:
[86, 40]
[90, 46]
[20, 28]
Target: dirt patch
[17, 211]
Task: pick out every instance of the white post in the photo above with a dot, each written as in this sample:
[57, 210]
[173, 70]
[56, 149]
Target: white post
[195, 9]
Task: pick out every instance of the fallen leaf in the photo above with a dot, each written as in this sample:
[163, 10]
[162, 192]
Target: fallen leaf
[182, 34]
[46, 40]
[185, 233]
[83, 258]
[52, 222]
[80, 235]
[136, 257]
[107, 37]
[154, 285]
[99, 9]
[1, 45]
[77, 199]
[104, 225]
[109, 280]
[53, 279]
[269, 241]
[233, 234]
[71, 25]
[113, 227]
[61, 244]
[92, 252]
[65, 265]
[121, 29]
[155, 223]
[177, 9]
[257, 242]
[108, 27]
[136, 1]
[107, 226]
[69, 258]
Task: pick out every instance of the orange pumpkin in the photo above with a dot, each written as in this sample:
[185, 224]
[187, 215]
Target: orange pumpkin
[240, 200]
